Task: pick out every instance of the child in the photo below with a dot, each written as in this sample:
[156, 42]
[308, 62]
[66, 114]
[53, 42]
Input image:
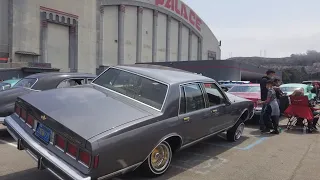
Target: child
[273, 110]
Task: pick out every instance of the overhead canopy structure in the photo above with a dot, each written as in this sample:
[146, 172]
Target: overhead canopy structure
[221, 69]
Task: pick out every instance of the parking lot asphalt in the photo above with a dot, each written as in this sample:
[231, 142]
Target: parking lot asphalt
[291, 155]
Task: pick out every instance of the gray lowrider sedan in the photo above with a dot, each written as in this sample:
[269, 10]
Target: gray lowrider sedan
[129, 117]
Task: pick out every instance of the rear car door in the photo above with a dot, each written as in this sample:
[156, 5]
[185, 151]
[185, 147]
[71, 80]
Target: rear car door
[192, 111]
[217, 106]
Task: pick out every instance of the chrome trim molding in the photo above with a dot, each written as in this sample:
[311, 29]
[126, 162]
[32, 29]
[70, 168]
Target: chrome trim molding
[56, 161]
[121, 171]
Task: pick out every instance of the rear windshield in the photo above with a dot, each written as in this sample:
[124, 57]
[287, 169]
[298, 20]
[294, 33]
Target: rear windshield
[245, 89]
[142, 89]
[26, 82]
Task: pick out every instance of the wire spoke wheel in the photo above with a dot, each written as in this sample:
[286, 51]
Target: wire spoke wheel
[239, 131]
[160, 157]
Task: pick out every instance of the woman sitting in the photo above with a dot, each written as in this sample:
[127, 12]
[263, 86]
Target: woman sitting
[316, 114]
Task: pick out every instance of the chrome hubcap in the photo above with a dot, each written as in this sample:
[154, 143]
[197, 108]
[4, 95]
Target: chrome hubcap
[239, 131]
[160, 157]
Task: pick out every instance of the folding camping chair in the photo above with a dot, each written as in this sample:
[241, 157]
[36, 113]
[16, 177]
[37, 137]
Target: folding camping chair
[299, 108]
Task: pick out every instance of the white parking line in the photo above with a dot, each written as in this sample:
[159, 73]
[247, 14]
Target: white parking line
[9, 143]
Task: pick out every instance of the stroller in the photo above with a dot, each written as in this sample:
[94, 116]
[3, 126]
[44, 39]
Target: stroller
[299, 111]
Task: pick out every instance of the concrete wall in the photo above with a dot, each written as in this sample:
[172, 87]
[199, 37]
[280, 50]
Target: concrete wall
[26, 28]
[162, 30]
[58, 46]
[103, 32]
[4, 5]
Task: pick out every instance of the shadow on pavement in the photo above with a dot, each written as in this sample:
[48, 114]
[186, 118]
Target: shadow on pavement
[199, 159]
[30, 174]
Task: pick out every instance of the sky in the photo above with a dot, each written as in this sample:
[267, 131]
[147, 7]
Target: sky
[272, 28]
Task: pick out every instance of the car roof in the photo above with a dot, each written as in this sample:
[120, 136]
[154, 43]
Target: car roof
[165, 74]
[60, 74]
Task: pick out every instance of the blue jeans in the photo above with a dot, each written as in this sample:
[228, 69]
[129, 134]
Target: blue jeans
[262, 120]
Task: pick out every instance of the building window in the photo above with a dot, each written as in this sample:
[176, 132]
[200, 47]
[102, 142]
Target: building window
[212, 55]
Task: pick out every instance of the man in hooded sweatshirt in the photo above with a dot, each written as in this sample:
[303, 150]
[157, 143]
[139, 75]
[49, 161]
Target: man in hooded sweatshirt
[264, 94]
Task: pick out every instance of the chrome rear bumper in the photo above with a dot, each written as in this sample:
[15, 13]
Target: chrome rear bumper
[45, 159]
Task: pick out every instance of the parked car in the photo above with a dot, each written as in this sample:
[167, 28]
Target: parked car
[128, 117]
[316, 87]
[249, 91]
[7, 84]
[38, 82]
[226, 87]
[289, 88]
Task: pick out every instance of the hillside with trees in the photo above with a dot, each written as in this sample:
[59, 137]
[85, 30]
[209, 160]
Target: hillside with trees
[296, 68]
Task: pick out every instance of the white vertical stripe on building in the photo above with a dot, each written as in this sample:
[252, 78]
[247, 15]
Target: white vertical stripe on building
[122, 10]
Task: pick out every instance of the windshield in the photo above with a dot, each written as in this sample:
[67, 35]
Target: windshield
[245, 89]
[289, 89]
[142, 89]
[26, 82]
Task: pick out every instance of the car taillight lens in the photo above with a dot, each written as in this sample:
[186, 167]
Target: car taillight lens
[30, 121]
[72, 150]
[60, 142]
[96, 161]
[84, 157]
[18, 110]
[23, 114]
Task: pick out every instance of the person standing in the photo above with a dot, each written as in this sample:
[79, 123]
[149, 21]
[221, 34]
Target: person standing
[264, 94]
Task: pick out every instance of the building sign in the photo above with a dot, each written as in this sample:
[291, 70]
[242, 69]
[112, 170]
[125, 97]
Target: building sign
[182, 10]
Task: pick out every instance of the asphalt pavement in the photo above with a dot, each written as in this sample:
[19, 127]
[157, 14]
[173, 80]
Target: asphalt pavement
[291, 155]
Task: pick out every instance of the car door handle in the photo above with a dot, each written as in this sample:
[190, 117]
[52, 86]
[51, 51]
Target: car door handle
[186, 119]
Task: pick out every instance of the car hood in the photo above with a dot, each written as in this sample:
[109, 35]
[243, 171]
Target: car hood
[84, 110]
[235, 99]
[8, 97]
[247, 95]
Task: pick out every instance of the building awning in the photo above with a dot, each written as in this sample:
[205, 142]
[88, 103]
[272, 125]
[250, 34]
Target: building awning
[27, 53]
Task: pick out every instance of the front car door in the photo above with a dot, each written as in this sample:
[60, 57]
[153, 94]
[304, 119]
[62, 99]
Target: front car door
[192, 112]
[218, 107]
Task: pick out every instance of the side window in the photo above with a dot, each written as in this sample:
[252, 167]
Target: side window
[215, 96]
[71, 82]
[182, 101]
[194, 97]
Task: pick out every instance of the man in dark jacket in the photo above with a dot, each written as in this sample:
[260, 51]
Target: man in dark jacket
[264, 93]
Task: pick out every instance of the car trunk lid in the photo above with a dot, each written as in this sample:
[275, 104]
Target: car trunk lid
[85, 111]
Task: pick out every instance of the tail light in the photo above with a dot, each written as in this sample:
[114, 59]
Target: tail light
[23, 114]
[60, 142]
[72, 150]
[96, 161]
[18, 110]
[84, 157]
[30, 121]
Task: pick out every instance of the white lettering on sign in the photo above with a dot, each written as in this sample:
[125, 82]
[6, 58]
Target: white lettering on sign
[182, 10]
